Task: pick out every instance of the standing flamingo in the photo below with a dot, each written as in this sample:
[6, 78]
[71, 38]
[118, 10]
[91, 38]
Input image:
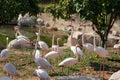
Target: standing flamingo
[42, 74]
[56, 47]
[43, 63]
[10, 69]
[102, 53]
[44, 47]
[68, 62]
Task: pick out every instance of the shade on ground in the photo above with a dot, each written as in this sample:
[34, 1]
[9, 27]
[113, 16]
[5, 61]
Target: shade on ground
[77, 78]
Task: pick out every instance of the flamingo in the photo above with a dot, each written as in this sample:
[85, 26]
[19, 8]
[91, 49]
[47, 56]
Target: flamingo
[56, 47]
[68, 62]
[102, 53]
[23, 40]
[5, 78]
[42, 61]
[73, 41]
[10, 69]
[44, 47]
[42, 74]
[5, 52]
[117, 46]
[88, 46]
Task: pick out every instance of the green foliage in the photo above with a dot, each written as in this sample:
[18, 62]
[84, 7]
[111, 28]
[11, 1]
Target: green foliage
[11, 8]
[101, 12]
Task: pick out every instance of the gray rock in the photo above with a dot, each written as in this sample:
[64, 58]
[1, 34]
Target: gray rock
[77, 78]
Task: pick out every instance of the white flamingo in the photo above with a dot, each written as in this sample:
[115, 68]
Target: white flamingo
[71, 39]
[44, 47]
[68, 62]
[43, 63]
[42, 74]
[5, 78]
[56, 47]
[10, 69]
[51, 55]
[117, 47]
[20, 40]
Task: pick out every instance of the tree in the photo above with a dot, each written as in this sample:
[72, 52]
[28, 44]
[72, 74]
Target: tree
[102, 13]
[10, 9]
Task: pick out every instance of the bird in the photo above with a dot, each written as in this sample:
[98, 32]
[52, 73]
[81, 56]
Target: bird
[42, 74]
[10, 69]
[68, 62]
[102, 53]
[42, 61]
[71, 39]
[77, 51]
[5, 78]
[44, 47]
[5, 52]
[117, 47]
[56, 48]
[20, 41]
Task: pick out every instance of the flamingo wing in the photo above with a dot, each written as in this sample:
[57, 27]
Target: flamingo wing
[68, 62]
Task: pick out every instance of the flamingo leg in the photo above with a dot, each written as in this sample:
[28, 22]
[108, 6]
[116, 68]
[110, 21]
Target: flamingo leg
[103, 66]
[68, 70]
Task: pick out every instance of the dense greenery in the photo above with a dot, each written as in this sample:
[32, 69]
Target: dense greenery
[102, 13]
[10, 9]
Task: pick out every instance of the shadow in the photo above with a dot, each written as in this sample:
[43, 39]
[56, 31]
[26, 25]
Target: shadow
[106, 67]
[57, 74]
[114, 60]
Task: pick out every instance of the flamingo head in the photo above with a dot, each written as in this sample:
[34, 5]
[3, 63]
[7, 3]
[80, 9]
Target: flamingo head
[17, 74]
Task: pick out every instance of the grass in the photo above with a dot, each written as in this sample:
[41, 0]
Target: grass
[25, 65]
[25, 62]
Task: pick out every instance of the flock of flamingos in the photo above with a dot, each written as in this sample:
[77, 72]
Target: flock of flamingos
[41, 58]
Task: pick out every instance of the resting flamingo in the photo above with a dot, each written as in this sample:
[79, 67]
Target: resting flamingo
[42, 74]
[10, 69]
[20, 41]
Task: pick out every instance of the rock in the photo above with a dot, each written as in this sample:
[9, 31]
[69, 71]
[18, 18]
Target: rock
[115, 76]
[25, 20]
[77, 78]
[40, 21]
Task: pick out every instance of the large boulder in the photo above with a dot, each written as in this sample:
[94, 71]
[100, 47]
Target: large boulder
[25, 20]
[115, 76]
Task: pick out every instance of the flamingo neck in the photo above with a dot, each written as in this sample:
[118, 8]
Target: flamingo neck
[53, 39]
[94, 41]
[83, 42]
[38, 37]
